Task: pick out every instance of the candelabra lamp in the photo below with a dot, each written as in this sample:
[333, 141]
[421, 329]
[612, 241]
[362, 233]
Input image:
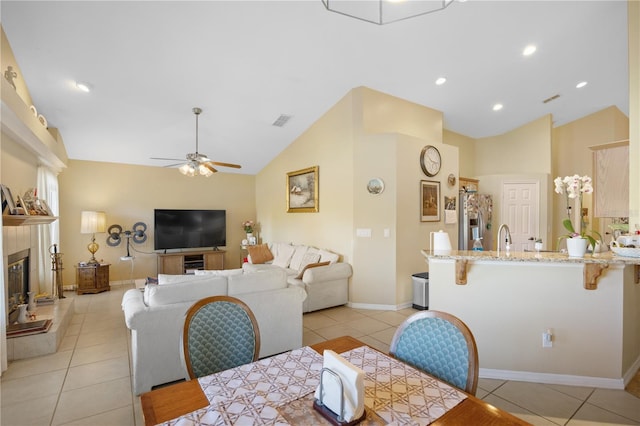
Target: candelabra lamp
[91, 223]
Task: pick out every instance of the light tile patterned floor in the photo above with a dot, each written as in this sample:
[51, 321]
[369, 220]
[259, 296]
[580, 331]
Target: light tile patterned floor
[88, 381]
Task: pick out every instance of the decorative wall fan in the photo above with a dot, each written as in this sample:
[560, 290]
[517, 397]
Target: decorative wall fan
[196, 163]
[138, 234]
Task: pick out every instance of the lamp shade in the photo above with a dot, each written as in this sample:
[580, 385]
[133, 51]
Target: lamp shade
[92, 222]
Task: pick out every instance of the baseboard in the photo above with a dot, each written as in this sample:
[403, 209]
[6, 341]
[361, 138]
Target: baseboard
[553, 379]
[631, 372]
[372, 306]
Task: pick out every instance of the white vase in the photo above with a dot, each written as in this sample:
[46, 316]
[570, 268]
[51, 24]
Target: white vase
[22, 313]
[577, 247]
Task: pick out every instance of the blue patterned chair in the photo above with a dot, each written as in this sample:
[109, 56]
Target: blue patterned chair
[220, 332]
[440, 345]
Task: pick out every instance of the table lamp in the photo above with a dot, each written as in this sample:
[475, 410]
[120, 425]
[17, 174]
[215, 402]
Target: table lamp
[90, 223]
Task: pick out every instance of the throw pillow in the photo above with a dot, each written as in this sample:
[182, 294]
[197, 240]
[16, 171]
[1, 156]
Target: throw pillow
[259, 253]
[328, 256]
[307, 259]
[298, 255]
[282, 259]
[309, 266]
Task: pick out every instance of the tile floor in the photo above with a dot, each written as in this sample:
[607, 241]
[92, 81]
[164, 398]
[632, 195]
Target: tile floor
[87, 382]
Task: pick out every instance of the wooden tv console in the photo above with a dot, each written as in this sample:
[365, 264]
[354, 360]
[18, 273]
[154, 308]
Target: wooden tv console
[188, 262]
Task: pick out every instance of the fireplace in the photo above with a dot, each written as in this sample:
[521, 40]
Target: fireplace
[17, 282]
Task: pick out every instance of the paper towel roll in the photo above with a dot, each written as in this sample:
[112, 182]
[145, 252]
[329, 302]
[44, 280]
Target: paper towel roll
[440, 243]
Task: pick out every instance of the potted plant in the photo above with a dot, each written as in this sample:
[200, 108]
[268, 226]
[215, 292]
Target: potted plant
[573, 187]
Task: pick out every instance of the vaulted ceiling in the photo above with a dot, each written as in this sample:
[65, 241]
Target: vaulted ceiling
[245, 63]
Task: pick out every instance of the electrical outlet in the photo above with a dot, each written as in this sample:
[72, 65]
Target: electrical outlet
[547, 339]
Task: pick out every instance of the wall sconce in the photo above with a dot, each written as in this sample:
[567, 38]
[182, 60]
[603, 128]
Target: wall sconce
[90, 223]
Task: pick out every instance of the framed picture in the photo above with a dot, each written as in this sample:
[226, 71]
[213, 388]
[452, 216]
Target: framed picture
[302, 191]
[429, 201]
[7, 200]
[23, 209]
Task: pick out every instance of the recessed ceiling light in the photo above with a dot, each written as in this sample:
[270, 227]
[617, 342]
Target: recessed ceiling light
[581, 85]
[85, 87]
[440, 81]
[529, 50]
[497, 107]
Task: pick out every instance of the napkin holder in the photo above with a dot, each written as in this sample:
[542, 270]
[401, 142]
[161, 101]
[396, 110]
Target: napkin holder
[333, 418]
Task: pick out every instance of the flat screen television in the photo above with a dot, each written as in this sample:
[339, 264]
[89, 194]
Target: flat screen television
[182, 229]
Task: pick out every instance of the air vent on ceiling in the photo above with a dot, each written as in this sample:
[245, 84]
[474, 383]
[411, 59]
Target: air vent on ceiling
[551, 98]
[282, 120]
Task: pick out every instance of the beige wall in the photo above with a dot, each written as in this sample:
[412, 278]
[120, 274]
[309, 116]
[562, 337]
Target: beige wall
[18, 172]
[572, 155]
[128, 194]
[526, 149]
[466, 149]
[366, 134]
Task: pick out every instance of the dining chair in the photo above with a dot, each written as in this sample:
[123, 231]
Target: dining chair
[441, 345]
[220, 332]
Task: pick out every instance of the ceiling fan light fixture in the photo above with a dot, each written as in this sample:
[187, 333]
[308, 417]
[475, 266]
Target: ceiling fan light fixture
[187, 169]
[204, 170]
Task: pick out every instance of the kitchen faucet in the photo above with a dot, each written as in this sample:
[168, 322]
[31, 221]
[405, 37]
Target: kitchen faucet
[507, 240]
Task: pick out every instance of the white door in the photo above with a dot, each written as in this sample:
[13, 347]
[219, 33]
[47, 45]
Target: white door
[520, 202]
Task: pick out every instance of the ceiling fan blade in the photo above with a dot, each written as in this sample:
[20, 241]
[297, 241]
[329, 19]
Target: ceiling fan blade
[170, 159]
[173, 165]
[209, 166]
[235, 166]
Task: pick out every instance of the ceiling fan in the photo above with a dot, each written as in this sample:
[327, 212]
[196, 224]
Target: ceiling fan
[196, 163]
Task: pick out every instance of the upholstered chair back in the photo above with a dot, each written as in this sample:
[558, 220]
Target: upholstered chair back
[441, 345]
[220, 332]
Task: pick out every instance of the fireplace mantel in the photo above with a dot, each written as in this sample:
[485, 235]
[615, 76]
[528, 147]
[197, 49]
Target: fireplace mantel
[25, 220]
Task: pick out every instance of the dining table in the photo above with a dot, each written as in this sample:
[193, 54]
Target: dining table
[165, 404]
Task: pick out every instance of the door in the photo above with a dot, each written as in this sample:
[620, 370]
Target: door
[520, 201]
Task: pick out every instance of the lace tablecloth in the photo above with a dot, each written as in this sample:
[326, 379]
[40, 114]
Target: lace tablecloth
[278, 391]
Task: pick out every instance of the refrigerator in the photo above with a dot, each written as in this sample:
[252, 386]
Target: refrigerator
[474, 220]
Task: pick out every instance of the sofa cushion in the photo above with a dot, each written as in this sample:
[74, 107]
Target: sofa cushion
[308, 259]
[171, 279]
[264, 280]
[309, 266]
[186, 291]
[283, 256]
[259, 253]
[328, 256]
[298, 255]
[219, 272]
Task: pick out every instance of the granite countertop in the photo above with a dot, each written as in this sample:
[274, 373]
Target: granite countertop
[549, 257]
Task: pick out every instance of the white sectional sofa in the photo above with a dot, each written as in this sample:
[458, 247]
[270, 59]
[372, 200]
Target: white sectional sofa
[319, 272]
[156, 315]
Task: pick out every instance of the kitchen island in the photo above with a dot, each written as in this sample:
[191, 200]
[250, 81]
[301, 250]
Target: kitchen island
[590, 305]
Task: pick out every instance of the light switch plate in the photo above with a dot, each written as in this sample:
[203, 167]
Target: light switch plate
[363, 232]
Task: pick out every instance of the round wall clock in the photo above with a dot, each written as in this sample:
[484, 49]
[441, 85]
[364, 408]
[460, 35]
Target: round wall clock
[430, 160]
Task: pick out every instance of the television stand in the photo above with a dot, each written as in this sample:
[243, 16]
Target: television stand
[189, 262]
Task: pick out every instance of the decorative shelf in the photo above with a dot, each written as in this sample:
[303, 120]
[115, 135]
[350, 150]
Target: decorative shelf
[25, 220]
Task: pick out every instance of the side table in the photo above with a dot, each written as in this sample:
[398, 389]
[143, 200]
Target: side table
[92, 278]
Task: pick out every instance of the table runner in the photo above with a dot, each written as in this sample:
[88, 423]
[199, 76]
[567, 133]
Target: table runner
[268, 391]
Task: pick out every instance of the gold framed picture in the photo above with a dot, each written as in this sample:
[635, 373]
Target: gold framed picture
[302, 191]
[429, 201]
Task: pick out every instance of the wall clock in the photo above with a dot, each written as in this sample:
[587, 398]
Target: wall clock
[430, 160]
